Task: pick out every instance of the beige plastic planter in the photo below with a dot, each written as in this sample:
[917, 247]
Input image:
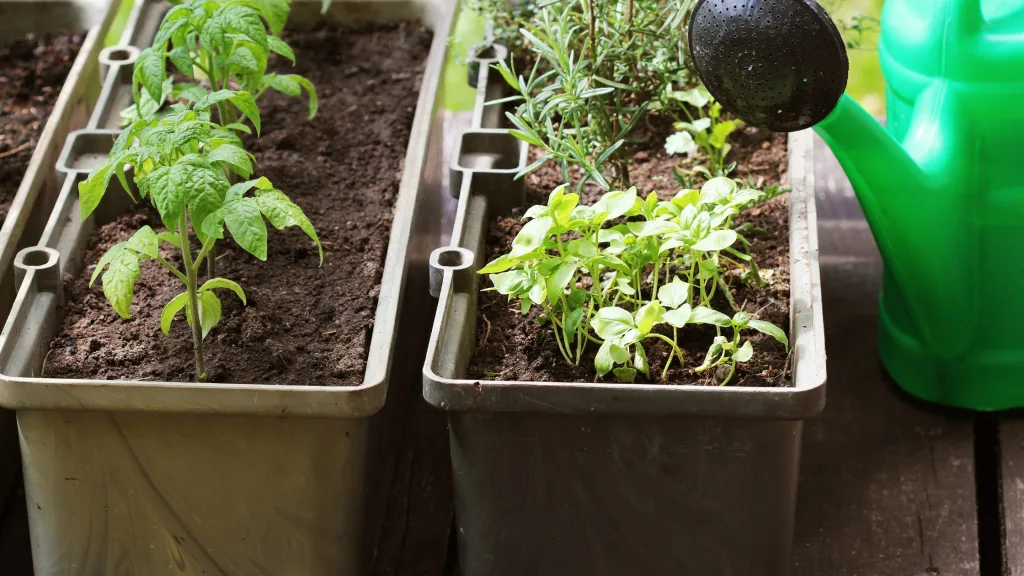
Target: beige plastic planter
[607, 479]
[40, 185]
[147, 478]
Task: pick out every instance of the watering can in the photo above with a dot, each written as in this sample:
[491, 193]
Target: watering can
[941, 184]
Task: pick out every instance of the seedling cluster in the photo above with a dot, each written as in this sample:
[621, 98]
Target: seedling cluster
[626, 270]
[186, 161]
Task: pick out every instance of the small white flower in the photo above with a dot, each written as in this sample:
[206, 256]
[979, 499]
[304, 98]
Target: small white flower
[680, 143]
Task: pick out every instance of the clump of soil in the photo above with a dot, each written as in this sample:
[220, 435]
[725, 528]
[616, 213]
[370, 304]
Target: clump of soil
[511, 346]
[32, 72]
[304, 324]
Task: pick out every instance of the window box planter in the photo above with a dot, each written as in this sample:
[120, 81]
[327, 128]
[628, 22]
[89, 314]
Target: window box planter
[607, 478]
[243, 478]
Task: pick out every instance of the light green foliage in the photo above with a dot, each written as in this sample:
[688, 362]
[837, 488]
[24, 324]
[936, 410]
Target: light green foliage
[627, 270]
[221, 44]
[703, 135]
[179, 163]
[599, 68]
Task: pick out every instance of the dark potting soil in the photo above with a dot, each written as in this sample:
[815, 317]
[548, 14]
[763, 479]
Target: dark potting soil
[304, 324]
[511, 346]
[32, 72]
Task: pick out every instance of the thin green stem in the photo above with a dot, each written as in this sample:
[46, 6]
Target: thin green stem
[193, 296]
[171, 267]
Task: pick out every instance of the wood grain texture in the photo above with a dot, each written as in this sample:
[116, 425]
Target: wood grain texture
[887, 484]
[1011, 441]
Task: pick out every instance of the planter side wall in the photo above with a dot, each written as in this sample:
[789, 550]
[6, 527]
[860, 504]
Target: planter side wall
[36, 195]
[608, 479]
[229, 479]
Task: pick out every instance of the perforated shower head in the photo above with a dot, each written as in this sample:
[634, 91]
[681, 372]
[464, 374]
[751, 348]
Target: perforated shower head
[776, 64]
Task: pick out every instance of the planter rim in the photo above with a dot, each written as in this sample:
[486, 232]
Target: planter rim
[18, 341]
[804, 399]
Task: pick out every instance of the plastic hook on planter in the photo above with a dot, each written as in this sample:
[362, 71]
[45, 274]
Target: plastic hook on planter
[458, 261]
[482, 56]
[117, 56]
[44, 263]
[494, 157]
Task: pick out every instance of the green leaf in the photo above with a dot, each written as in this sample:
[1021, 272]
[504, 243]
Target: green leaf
[714, 351]
[716, 190]
[245, 104]
[170, 310]
[721, 131]
[282, 212]
[499, 264]
[572, 323]
[245, 222]
[145, 242]
[624, 374]
[771, 330]
[275, 12]
[283, 84]
[675, 293]
[611, 322]
[242, 60]
[746, 352]
[169, 237]
[168, 189]
[149, 72]
[603, 362]
[652, 228]
[696, 97]
[647, 316]
[511, 283]
[557, 282]
[214, 98]
[531, 236]
[91, 190]
[213, 225]
[582, 247]
[615, 204]
[205, 187]
[678, 317]
[233, 158]
[281, 47]
[188, 92]
[244, 20]
[209, 311]
[119, 279]
[182, 60]
[705, 315]
[717, 240]
[640, 360]
[538, 292]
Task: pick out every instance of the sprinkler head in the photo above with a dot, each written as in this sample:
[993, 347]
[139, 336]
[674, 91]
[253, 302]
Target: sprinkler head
[775, 64]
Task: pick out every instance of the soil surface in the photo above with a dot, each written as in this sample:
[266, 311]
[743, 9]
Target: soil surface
[304, 324]
[511, 346]
[32, 72]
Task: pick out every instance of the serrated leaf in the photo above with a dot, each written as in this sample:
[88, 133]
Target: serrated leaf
[149, 72]
[209, 311]
[169, 237]
[224, 283]
[213, 225]
[246, 21]
[170, 310]
[214, 98]
[91, 190]
[771, 330]
[283, 84]
[282, 212]
[206, 191]
[275, 12]
[182, 60]
[232, 157]
[242, 60]
[188, 92]
[119, 279]
[145, 242]
[281, 47]
[167, 189]
[245, 104]
[245, 222]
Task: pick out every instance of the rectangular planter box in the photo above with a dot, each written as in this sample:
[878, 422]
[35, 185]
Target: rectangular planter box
[611, 479]
[37, 193]
[145, 477]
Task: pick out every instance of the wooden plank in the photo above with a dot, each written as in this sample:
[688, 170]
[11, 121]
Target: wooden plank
[887, 484]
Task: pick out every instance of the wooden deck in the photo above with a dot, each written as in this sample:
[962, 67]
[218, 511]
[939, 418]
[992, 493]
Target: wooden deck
[889, 486]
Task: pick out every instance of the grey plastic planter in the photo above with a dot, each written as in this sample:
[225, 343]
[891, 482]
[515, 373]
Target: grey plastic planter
[37, 193]
[608, 479]
[134, 477]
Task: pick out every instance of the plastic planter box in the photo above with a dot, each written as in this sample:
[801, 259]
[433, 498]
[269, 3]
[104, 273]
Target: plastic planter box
[34, 200]
[609, 479]
[146, 477]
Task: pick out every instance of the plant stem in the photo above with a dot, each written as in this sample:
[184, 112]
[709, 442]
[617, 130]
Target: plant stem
[193, 296]
[671, 354]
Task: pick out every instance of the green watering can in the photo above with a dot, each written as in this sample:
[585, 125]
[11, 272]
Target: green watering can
[940, 184]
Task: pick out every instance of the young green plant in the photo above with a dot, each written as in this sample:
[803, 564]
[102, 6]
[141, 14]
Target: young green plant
[178, 163]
